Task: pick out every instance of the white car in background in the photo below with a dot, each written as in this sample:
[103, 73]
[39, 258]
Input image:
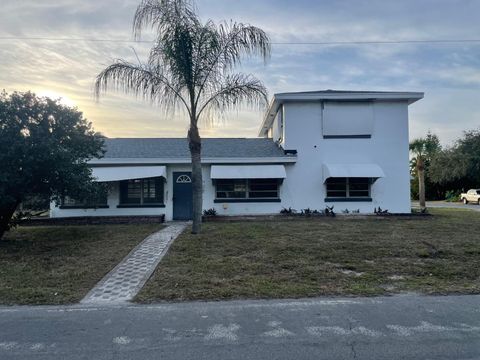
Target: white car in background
[471, 196]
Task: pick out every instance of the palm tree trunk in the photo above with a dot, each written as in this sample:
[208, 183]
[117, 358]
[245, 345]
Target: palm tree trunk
[421, 182]
[195, 145]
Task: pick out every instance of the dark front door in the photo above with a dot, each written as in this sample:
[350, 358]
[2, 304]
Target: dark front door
[182, 196]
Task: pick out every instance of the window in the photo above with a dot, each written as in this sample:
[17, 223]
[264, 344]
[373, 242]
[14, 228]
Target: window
[141, 192]
[344, 120]
[348, 188]
[69, 202]
[247, 189]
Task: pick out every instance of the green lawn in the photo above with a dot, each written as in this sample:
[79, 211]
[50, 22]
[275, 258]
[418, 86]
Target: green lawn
[322, 256]
[60, 264]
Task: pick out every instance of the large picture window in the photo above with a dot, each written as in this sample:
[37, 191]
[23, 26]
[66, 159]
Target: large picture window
[141, 192]
[348, 188]
[247, 189]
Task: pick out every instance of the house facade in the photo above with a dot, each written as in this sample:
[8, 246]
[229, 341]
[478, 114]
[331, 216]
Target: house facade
[315, 149]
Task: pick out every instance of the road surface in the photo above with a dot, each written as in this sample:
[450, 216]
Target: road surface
[400, 327]
[450, 205]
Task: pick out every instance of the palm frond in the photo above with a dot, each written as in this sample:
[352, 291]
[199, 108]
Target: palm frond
[164, 16]
[142, 81]
[226, 46]
[191, 62]
[235, 91]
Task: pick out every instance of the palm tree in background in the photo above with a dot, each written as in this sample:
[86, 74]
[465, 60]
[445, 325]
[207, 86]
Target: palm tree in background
[423, 150]
[191, 67]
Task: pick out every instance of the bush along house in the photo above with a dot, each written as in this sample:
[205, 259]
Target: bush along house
[347, 149]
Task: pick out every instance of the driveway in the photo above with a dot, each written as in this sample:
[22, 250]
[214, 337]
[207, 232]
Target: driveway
[450, 205]
[399, 327]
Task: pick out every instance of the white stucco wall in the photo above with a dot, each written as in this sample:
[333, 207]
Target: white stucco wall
[208, 201]
[388, 147]
[112, 210]
[303, 186]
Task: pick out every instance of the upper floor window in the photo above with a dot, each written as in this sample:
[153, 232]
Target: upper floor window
[247, 189]
[141, 191]
[347, 119]
[348, 188]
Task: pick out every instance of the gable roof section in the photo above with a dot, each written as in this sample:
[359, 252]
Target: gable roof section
[176, 149]
[333, 95]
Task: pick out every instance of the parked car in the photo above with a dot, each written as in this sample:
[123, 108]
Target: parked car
[472, 195]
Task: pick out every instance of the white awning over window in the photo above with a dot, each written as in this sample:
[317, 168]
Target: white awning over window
[352, 171]
[248, 172]
[117, 173]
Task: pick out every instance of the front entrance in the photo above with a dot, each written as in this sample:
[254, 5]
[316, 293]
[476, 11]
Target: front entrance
[182, 196]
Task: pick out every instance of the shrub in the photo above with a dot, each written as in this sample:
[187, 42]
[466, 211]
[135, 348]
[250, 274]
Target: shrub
[452, 195]
[288, 211]
[210, 212]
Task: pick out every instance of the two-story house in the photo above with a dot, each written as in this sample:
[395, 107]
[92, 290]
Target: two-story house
[315, 149]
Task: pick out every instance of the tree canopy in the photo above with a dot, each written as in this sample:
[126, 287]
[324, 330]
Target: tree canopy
[44, 150]
[460, 163]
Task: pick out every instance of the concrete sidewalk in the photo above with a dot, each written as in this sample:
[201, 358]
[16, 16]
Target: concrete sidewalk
[398, 327]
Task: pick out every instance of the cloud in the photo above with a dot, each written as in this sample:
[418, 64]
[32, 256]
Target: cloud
[448, 73]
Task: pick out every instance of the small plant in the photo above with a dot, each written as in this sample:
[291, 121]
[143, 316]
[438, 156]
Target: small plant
[288, 211]
[210, 212]
[346, 211]
[307, 212]
[452, 196]
[380, 211]
[329, 211]
[357, 211]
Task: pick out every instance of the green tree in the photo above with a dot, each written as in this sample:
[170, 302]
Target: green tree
[423, 150]
[44, 149]
[459, 164]
[191, 67]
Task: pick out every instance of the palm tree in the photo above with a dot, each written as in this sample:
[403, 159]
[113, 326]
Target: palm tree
[191, 67]
[423, 150]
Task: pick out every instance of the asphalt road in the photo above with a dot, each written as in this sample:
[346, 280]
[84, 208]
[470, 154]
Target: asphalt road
[450, 205]
[400, 327]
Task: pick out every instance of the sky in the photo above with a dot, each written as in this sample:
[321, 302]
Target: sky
[448, 73]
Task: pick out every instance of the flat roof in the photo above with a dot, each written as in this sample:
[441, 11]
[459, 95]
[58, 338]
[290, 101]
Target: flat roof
[333, 95]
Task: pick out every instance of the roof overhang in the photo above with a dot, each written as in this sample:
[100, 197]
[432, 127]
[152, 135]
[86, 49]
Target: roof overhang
[281, 98]
[248, 172]
[205, 161]
[118, 173]
[352, 171]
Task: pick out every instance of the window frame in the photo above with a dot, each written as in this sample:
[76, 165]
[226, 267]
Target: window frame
[123, 193]
[83, 205]
[348, 190]
[248, 191]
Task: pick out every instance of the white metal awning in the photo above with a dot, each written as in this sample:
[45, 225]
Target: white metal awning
[352, 171]
[248, 172]
[117, 173]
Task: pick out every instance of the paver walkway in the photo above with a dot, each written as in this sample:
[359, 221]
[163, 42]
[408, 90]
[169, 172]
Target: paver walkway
[128, 277]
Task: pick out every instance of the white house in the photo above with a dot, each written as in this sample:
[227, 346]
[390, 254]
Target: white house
[343, 148]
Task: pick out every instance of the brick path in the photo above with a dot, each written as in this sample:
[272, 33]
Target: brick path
[128, 277]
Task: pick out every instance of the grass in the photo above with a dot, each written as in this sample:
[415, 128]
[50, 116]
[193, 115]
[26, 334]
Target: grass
[60, 264]
[311, 257]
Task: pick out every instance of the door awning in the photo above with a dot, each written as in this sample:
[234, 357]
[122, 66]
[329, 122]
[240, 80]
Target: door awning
[248, 172]
[117, 173]
[352, 171]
